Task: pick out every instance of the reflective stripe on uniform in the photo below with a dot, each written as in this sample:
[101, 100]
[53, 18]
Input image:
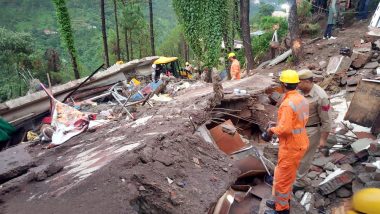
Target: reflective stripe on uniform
[283, 203]
[282, 195]
[302, 109]
[298, 131]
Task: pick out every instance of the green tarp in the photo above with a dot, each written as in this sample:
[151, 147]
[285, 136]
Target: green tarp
[6, 130]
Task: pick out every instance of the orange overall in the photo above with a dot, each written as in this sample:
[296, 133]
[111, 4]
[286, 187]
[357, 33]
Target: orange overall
[292, 118]
[235, 69]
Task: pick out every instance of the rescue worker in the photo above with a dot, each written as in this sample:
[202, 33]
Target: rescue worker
[188, 67]
[331, 20]
[318, 125]
[154, 66]
[157, 71]
[235, 67]
[292, 117]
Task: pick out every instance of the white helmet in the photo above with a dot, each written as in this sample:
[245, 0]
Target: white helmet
[154, 66]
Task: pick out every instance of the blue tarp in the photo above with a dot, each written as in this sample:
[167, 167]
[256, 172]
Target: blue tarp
[146, 90]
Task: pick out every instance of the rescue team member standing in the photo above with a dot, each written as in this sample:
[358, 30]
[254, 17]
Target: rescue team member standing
[235, 67]
[318, 126]
[292, 117]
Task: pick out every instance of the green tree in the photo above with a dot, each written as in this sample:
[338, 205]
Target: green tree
[66, 32]
[265, 9]
[136, 30]
[16, 49]
[203, 23]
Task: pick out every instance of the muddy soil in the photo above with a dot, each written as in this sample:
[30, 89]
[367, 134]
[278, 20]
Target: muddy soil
[154, 165]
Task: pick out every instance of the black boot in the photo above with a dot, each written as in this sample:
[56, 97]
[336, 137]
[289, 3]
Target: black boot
[270, 204]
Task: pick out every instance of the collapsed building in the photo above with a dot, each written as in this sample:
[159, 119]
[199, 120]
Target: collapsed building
[193, 150]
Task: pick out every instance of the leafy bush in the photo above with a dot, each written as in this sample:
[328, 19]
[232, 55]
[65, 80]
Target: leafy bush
[260, 44]
[304, 11]
[265, 9]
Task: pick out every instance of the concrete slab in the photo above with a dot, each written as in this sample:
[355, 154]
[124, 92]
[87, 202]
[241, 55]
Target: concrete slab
[14, 162]
[361, 144]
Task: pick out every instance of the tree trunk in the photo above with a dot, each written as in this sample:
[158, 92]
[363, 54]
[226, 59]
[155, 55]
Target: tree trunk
[104, 32]
[151, 27]
[293, 26]
[75, 65]
[236, 19]
[126, 43]
[245, 32]
[117, 32]
[130, 39]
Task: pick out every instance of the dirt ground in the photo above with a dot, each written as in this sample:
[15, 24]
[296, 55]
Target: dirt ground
[153, 165]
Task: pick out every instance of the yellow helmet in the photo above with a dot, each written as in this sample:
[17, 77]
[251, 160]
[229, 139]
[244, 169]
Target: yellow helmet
[367, 200]
[289, 76]
[232, 54]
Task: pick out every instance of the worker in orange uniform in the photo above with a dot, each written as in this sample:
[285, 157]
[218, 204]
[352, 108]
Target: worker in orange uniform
[235, 67]
[292, 117]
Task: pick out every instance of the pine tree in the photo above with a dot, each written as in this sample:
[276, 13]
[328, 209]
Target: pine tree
[66, 32]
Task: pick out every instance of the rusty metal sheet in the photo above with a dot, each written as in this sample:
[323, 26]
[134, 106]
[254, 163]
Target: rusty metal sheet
[365, 105]
[250, 166]
[226, 142]
[224, 203]
[249, 205]
[262, 191]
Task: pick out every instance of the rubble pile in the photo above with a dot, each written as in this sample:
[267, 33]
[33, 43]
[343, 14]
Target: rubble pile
[349, 68]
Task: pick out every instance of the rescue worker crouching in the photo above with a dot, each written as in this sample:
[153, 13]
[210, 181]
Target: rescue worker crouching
[292, 117]
[318, 125]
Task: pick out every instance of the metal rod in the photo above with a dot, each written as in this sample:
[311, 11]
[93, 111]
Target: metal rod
[242, 118]
[227, 109]
[349, 129]
[82, 83]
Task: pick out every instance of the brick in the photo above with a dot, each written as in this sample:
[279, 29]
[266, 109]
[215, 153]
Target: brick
[343, 192]
[336, 156]
[350, 158]
[360, 59]
[369, 167]
[352, 73]
[316, 168]
[371, 65]
[329, 166]
[331, 184]
[376, 175]
[373, 184]
[312, 174]
[347, 167]
[321, 161]
[354, 80]
[365, 177]
[374, 149]
[357, 185]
